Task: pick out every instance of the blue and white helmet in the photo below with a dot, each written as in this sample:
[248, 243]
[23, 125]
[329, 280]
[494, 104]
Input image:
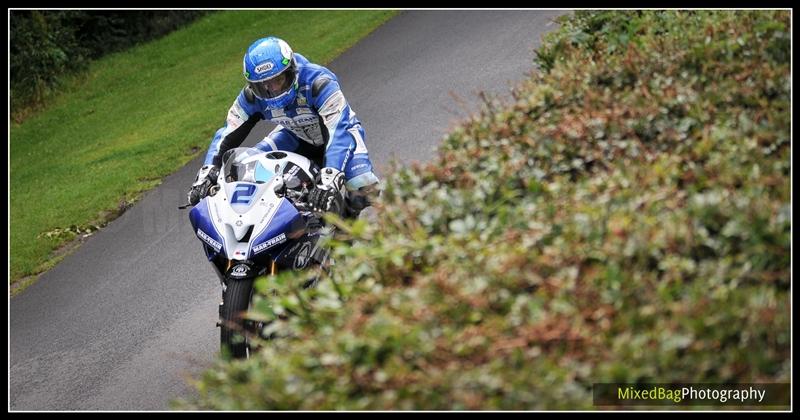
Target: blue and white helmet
[271, 71]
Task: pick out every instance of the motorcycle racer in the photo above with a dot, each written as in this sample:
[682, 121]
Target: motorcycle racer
[313, 119]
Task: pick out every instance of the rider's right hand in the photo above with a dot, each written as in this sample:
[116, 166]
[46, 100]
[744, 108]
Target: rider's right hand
[206, 178]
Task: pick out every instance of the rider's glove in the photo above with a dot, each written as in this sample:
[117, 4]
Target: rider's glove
[329, 192]
[206, 178]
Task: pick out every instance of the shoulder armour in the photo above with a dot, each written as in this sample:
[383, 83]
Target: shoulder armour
[318, 84]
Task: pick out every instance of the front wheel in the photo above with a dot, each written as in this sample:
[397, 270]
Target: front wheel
[235, 301]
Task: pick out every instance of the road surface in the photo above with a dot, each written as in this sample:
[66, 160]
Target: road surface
[122, 322]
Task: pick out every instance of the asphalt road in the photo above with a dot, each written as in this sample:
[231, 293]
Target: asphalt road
[122, 322]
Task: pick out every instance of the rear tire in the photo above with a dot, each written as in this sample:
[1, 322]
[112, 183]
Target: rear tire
[235, 301]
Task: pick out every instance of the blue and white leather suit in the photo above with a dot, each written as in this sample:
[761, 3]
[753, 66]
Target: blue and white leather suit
[318, 122]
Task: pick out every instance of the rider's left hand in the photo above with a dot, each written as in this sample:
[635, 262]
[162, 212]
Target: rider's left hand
[328, 196]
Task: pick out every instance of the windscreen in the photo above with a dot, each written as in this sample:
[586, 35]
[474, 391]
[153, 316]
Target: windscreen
[244, 164]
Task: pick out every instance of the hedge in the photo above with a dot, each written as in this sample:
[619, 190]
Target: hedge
[624, 216]
[48, 45]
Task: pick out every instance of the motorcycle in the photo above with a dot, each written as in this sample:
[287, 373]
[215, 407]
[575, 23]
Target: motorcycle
[254, 223]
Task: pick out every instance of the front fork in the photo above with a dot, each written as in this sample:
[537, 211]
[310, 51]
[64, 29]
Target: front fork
[273, 271]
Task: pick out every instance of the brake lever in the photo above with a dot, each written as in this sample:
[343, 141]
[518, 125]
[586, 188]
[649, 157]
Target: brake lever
[212, 190]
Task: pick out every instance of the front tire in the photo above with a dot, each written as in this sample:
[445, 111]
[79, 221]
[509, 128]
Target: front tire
[235, 301]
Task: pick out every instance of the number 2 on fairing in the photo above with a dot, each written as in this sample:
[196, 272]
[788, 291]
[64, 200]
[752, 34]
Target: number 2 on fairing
[243, 194]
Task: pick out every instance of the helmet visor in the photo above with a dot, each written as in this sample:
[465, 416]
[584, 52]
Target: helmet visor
[275, 86]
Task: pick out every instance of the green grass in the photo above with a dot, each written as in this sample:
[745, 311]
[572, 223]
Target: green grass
[137, 116]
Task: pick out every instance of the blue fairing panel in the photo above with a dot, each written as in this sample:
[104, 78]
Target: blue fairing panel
[204, 229]
[277, 232]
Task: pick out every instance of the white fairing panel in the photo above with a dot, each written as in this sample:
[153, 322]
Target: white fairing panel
[239, 206]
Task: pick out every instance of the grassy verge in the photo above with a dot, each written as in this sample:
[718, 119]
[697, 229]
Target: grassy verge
[625, 219]
[137, 116]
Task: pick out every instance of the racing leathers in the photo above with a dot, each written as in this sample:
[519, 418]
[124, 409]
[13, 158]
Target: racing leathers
[318, 124]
